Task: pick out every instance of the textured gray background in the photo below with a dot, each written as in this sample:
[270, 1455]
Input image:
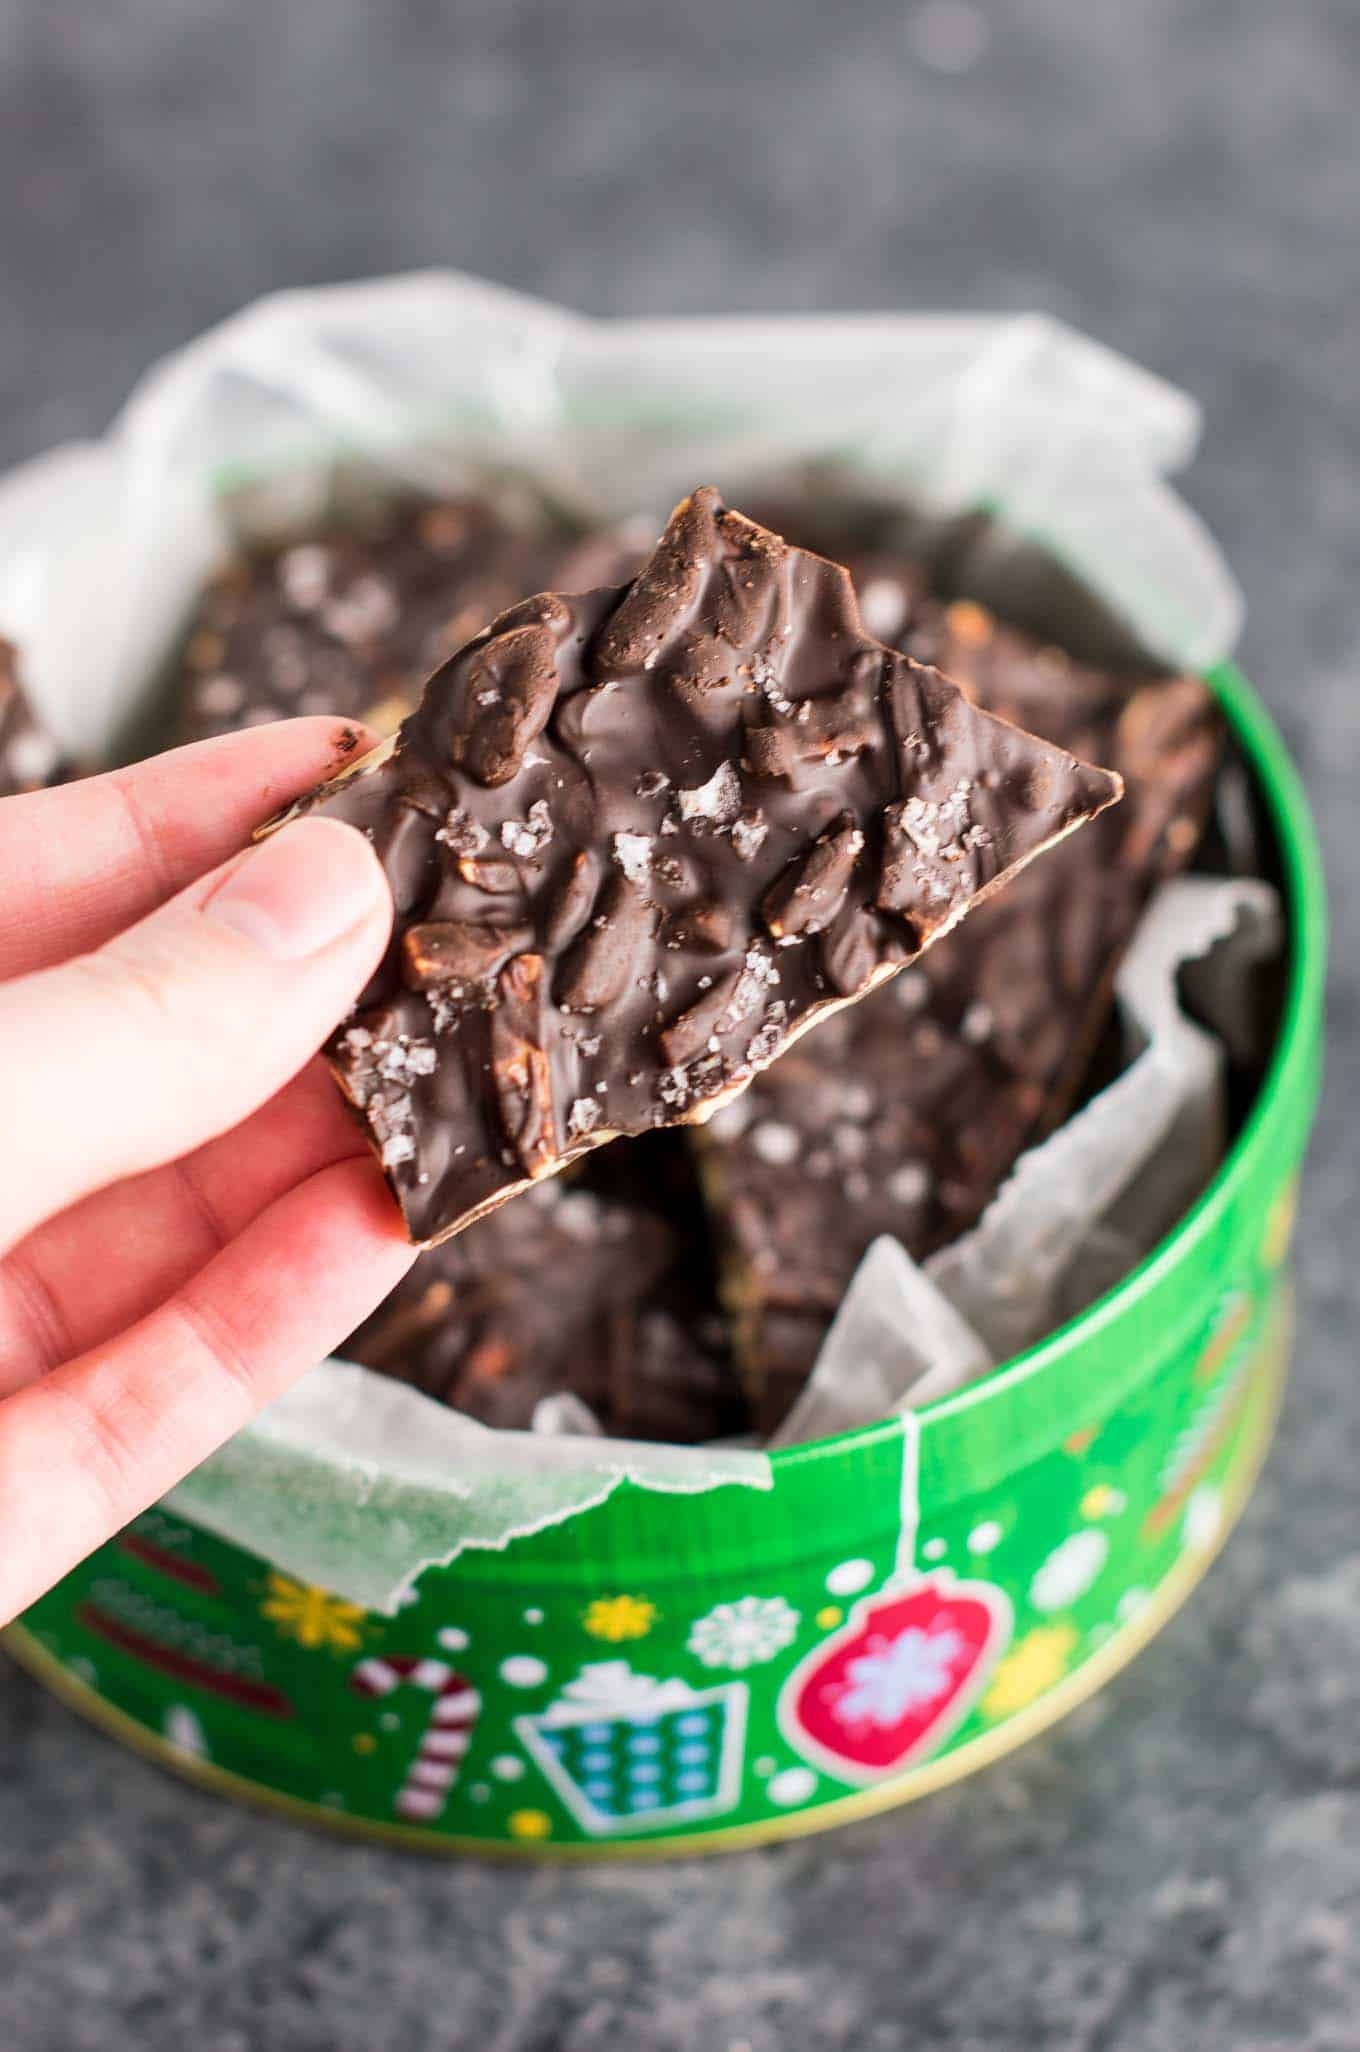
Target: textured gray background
[1179, 1866]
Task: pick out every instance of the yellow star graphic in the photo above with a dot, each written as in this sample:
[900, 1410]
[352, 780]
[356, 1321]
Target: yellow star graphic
[620, 1617]
[313, 1616]
[1035, 1664]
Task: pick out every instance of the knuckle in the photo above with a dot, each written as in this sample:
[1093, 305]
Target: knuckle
[211, 1336]
[109, 1445]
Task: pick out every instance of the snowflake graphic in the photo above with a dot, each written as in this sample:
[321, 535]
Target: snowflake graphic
[911, 1670]
[312, 1616]
[745, 1633]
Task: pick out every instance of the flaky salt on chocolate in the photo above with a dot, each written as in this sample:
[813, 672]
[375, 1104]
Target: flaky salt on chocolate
[905, 1114]
[640, 840]
[30, 759]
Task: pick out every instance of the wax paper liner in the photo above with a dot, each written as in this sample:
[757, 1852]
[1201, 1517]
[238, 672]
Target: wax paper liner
[357, 1483]
[443, 382]
[275, 419]
[1078, 1211]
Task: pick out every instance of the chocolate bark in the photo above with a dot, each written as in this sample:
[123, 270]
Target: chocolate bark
[569, 1291]
[640, 840]
[352, 620]
[905, 1114]
[30, 759]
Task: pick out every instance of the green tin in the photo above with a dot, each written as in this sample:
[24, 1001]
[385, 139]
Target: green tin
[667, 1672]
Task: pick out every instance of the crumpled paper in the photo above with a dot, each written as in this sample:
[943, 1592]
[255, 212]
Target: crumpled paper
[357, 1483]
[444, 383]
[1079, 1210]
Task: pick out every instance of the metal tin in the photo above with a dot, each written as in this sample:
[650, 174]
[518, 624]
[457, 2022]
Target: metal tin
[666, 1673]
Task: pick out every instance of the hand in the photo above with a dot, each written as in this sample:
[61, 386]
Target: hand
[189, 1216]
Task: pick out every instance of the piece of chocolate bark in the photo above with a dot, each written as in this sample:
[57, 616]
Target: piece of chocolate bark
[890, 585]
[905, 1114]
[30, 759]
[569, 1292]
[352, 620]
[640, 840]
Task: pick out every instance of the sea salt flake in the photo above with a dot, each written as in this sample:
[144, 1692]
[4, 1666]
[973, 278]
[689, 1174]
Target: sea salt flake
[583, 1117]
[748, 832]
[764, 674]
[461, 832]
[672, 1087]
[764, 1045]
[528, 837]
[758, 972]
[716, 803]
[633, 853]
[402, 1060]
[445, 1007]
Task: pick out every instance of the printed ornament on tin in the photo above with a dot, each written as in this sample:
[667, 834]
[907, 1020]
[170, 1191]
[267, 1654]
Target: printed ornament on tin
[891, 1684]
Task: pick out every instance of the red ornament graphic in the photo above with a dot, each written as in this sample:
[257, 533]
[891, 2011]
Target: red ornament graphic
[897, 1678]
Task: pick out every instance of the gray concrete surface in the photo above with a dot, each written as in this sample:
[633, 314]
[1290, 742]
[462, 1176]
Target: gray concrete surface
[1178, 1869]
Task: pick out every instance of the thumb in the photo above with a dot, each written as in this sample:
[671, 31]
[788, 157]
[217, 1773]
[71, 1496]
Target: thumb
[181, 1026]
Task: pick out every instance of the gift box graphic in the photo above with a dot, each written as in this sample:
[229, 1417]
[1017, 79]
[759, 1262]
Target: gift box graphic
[626, 1752]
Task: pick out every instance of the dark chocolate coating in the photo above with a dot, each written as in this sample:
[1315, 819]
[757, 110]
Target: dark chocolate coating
[904, 1114]
[352, 620]
[30, 759]
[569, 1290]
[639, 839]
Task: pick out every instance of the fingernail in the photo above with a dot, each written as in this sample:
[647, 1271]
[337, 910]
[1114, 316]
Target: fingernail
[300, 890]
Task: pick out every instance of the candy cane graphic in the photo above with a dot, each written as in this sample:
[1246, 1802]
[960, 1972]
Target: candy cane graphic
[454, 1706]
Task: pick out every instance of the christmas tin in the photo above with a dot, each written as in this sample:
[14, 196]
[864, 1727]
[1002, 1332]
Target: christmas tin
[630, 1651]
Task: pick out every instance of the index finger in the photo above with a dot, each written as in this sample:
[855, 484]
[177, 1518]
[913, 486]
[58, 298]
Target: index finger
[79, 863]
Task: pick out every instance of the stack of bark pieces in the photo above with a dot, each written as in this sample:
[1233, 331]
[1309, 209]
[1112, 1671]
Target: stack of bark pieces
[901, 1114]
